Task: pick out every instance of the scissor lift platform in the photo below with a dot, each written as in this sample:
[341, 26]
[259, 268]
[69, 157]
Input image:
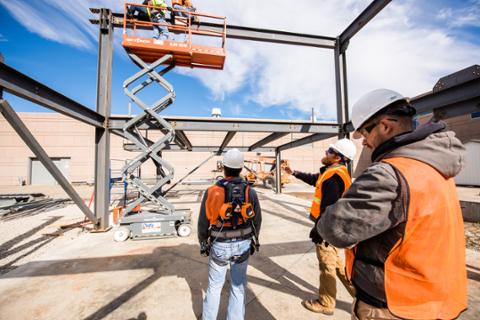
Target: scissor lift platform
[200, 48]
[184, 54]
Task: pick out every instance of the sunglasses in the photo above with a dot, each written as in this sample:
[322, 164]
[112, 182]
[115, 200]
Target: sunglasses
[368, 128]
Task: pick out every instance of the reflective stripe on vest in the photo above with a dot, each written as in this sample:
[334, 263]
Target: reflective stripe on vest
[425, 274]
[342, 172]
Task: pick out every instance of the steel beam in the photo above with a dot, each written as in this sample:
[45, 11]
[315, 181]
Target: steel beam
[238, 125]
[214, 149]
[27, 137]
[247, 33]
[102, 134]
[454, 95]
[189, 173]
[310, 139]
[228, 137]
[272, 137]
[341, 87]
[272, 36]
[278, 171]
[181, 138]
[20, 85]
[371, 11]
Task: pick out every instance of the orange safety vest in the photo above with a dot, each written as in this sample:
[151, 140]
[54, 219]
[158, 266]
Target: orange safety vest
[425, 273]
[214, 203]
[339, 169]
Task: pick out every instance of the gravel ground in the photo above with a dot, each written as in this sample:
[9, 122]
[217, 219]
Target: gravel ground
[472, 235]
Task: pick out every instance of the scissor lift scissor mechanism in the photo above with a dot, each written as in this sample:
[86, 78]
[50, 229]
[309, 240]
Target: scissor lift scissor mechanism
[157, 216]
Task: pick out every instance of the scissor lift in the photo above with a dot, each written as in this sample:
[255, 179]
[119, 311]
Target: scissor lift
[151, 215]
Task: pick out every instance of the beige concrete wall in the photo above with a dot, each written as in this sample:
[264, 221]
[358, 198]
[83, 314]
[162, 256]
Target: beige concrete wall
[61, 136]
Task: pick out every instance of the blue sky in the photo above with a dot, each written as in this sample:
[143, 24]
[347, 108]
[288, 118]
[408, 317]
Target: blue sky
[407, 47]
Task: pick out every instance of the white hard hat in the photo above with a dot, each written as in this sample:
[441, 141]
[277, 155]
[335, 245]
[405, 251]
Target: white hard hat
[345, 147]
[233, 159]
[372, 102]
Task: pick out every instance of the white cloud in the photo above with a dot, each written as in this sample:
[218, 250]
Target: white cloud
[461, 17]
[2, 38]
[399, 49]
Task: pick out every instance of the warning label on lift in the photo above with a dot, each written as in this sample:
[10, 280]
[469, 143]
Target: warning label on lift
[152, 227]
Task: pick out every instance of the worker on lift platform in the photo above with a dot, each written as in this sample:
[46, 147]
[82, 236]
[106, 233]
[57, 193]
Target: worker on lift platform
[157, 13]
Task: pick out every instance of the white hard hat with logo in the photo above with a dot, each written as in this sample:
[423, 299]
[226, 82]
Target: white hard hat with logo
[345, 147]
[371, 103]
[233, 159]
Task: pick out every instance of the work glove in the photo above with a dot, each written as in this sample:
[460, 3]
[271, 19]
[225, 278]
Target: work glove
[204, 248]
[316, 237]
[254, 247]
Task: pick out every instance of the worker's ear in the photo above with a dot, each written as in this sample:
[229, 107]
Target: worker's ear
[386, 126]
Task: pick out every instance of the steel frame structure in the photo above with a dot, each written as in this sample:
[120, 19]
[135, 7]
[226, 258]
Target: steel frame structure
[453, 95]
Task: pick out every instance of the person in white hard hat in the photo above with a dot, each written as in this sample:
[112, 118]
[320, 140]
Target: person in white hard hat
[330, 183]
[401, 218]
[228, 229]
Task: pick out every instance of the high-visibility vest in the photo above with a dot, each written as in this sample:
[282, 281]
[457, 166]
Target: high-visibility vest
[161, 6]
[339, 169]
[425, 273]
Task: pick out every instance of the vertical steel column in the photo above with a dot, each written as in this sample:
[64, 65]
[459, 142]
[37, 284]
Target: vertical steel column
[341, 86]
[278, 171]
[102, 135]
[342, 92]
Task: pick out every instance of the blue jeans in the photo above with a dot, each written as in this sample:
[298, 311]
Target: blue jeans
[179, 7]
[160, 32]
[223, 252]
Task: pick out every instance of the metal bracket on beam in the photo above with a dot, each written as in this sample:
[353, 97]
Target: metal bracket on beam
[105, 20]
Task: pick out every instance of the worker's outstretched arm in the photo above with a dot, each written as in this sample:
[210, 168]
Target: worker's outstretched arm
[365, 210]
[310, 178]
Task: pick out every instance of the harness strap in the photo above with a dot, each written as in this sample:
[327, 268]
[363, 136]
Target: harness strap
[226, 234]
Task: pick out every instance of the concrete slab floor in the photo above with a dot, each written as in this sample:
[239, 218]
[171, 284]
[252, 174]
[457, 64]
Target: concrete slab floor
[81, 275]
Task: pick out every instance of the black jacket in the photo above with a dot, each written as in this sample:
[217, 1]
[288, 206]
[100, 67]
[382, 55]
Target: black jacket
[332, 188]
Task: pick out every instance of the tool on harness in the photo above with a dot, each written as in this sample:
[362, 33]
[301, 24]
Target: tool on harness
[235, 259]
[236, 204]
[205, 248]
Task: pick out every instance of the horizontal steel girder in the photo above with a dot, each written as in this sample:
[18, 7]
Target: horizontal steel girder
[27, 88]
[454, 95]
[270, 138]
[177, 148]
[247, 33]
[237, 125]
[303, 141]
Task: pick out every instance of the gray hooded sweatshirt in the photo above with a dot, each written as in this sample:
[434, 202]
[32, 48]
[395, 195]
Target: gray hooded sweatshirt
[372, 211]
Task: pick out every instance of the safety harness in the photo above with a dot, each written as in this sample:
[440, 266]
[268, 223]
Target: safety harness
[235, 218]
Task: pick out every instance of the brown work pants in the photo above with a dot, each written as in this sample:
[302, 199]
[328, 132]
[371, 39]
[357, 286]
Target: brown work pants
[364, 311]
[330, 266]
